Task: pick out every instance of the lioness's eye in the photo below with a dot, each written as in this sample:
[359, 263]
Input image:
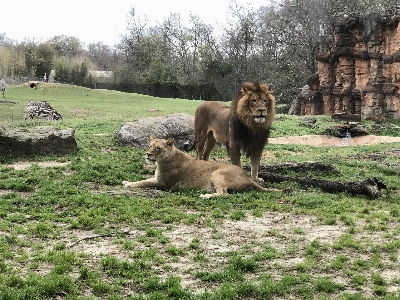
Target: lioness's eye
[158, 148]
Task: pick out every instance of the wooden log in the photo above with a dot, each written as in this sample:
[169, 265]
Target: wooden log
[308, 166]
[370, 187]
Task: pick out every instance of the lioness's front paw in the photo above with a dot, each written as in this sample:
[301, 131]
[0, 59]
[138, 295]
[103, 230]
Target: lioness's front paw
[205, 196]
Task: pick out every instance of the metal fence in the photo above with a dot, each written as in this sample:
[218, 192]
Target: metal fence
[20, 79]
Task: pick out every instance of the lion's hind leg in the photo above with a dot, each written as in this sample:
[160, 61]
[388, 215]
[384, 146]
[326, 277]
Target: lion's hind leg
[200, 141]
[210, 144]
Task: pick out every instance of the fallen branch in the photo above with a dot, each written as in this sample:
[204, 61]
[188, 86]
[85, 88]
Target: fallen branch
[97, 236]
[308, 166]
[369, 187]
[6, 101]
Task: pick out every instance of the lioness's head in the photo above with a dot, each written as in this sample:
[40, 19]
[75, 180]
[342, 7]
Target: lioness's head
[159, 149]
[255, 104]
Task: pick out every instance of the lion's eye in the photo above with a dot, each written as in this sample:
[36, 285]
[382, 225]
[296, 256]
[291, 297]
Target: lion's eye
[158, 148]
[254, 100]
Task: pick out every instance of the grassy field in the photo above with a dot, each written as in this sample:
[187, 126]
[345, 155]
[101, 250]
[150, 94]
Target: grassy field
[73, 232]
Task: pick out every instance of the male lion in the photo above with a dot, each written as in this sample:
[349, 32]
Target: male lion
[175, 168]
[243, 126]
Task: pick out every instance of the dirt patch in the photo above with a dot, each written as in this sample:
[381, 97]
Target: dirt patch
[290, 235]
[45, 164]
[328, 140]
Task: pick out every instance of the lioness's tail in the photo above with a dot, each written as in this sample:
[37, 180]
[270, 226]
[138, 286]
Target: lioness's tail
[263, 189]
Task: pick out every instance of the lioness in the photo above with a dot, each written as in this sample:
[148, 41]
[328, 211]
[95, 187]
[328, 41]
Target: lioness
[175, 168]
[245, 125]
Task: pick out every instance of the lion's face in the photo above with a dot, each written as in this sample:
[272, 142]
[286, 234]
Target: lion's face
[255, 104]
[159, 150]
[258, 106]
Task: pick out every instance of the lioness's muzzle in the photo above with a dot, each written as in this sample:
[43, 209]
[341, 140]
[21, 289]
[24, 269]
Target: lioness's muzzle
[149, 160]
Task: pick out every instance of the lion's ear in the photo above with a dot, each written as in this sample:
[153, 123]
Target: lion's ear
[244, 91]
[169, 142]
[152, 137]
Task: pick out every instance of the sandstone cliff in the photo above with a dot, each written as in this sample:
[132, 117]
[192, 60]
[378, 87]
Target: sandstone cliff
[358, 68]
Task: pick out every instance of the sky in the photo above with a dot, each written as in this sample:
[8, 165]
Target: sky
[103, 20]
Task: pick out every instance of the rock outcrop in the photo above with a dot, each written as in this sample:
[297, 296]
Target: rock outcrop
[40, 140]
[358, 68]
[178, 126]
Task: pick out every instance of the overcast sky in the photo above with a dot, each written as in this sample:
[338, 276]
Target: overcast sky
[100, 21]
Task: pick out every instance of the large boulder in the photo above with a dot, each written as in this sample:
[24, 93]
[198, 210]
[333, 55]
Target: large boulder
[39, 140]
[178, 126]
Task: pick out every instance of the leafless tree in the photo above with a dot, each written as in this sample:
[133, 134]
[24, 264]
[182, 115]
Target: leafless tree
[102, 55]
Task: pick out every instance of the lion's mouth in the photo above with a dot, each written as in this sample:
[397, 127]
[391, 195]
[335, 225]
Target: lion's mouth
[150, 161]
[259, 119]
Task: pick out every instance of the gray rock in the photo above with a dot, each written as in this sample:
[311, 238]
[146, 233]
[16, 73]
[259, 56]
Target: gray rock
[40, 140]
[178, 126]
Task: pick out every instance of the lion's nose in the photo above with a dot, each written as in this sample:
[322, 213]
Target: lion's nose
[261, 109]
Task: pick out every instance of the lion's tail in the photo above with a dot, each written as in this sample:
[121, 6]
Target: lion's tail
[189, 147]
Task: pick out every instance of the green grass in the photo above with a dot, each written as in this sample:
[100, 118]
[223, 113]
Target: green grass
[72, 232]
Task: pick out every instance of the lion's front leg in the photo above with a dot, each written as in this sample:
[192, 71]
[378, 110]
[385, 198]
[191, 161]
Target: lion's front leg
[255, 166]
[148, 183]
[234, 153]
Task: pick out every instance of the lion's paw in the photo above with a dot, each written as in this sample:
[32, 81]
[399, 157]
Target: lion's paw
[125, 183]
[259, 180]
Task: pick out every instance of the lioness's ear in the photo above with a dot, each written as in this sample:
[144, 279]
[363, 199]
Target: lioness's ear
[152, 137]
[169, 142]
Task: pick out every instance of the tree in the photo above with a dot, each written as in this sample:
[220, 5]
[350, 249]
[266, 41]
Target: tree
[67, 46]
[5, 41]
[240, 44]
[131, 43]
[79, 72]
[62, 72]
[102, 56]
[358, 6]
[31, 57]
[45, 59]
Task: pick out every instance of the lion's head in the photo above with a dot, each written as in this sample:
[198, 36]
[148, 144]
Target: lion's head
[254, 105]
[159, 150]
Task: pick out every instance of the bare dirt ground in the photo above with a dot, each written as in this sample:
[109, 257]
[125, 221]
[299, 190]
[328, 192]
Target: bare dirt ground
[327, 140]
[25, 165]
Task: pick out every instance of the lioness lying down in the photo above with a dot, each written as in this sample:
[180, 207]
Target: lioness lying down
[175, 168]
